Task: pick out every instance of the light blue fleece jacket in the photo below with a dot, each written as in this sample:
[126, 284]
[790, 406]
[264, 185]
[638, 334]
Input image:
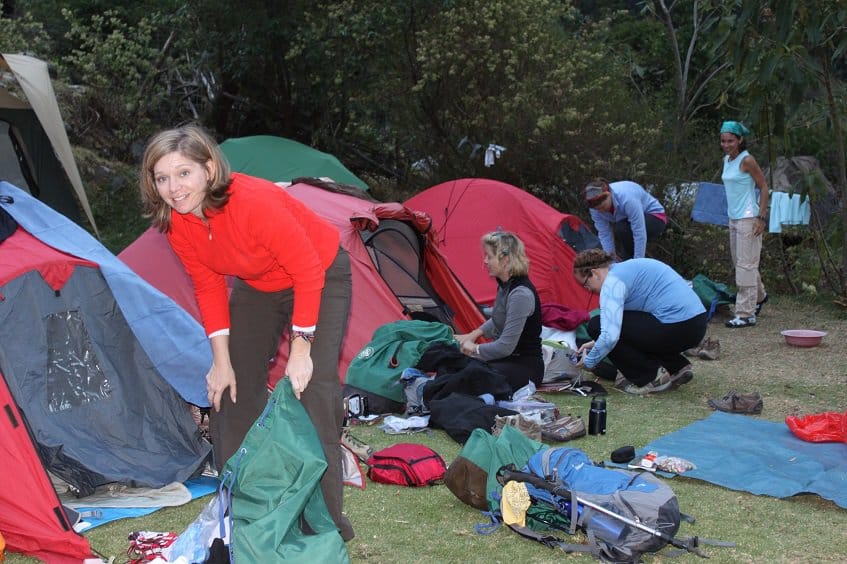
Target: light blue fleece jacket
[642, 284]
[630, 202]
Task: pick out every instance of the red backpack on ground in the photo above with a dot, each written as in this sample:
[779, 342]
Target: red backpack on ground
[406, 464]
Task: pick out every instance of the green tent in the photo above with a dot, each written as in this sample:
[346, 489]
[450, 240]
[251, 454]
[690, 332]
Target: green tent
[281, 160]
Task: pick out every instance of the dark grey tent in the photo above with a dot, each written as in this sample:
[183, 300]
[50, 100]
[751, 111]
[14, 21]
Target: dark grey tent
[97, 408]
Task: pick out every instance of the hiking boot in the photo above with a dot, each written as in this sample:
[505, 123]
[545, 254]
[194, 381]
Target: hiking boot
[673, 381]
[665, 381]
[710, 350]
[695, 351]
[733, 402]
[761, 303]
[362, 451]
[737, 322]
[563, 429]
[620, 381]
[627, 387]
[527, 427]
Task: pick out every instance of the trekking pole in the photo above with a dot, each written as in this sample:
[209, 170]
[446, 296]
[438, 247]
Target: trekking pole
[507, 473]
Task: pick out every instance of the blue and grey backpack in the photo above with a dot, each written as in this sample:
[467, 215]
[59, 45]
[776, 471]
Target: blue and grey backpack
[624, 514]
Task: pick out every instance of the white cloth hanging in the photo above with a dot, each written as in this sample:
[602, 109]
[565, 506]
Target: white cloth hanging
[788, 209]
[492, 153]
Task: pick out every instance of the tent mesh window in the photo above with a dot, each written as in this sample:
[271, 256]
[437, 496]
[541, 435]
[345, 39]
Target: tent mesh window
[581, 239]
[396, 251]
[74, 375]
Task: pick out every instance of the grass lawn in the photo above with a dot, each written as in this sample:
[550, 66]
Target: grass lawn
[396, 524]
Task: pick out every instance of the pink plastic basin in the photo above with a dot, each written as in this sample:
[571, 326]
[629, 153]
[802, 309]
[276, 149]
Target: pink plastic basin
[803, 337]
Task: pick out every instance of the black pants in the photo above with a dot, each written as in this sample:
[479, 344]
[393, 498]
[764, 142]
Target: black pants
[646, 343]
[623, 234]
[519, 370]
[257, 322]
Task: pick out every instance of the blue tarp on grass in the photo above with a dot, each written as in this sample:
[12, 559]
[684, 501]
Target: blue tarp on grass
[757, 456]
[198, 487]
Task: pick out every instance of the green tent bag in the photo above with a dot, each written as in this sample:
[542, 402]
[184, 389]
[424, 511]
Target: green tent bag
[712, 294]
[274, 482]
[393, 348]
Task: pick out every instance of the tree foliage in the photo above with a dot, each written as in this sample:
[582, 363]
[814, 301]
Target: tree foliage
[412, 93]
[786, 53]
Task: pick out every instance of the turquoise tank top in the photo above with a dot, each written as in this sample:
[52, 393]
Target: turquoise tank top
[740, 188]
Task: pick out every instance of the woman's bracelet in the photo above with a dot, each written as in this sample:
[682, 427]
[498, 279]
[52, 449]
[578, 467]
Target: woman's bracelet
[306, 335]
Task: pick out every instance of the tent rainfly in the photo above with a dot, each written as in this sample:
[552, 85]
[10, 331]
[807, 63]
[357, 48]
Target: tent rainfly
[35, 153]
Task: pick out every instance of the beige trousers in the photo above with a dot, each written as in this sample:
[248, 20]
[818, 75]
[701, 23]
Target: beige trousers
[746, 250]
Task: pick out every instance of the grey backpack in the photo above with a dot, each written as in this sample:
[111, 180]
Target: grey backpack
[624, 514]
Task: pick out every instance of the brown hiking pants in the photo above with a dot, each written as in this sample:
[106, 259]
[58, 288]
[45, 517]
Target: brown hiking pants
[257, 322]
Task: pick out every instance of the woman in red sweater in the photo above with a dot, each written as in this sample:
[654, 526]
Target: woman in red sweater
[290, 273]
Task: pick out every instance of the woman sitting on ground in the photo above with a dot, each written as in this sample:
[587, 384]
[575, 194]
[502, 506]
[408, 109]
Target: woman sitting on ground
[515, 323]
[648, 316]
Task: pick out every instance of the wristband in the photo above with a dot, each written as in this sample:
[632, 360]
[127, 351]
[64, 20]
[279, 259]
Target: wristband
[477, 350]
[305, 335]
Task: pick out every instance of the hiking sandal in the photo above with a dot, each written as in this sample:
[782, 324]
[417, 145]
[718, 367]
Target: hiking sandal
[736, 322]
[362, 451]
[563, 429]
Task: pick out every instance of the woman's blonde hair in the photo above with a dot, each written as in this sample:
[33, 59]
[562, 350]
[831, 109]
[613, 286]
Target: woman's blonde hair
[588, 260]
[508, 245]
[192, 142]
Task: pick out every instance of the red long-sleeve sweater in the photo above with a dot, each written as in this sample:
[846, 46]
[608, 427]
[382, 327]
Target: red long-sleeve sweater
[264, 236]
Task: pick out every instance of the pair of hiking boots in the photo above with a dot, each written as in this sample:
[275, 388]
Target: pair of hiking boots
[733, 402]
[561, 430]
[708, 349]
[664, 382]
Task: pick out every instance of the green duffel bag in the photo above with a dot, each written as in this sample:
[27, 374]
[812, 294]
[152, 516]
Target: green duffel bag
[393, 348]
[273, 482]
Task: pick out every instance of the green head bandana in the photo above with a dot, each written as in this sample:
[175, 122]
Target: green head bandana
[735, 127]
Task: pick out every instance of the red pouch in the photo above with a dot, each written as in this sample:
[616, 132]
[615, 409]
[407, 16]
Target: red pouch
[819, 427]
[406, 464]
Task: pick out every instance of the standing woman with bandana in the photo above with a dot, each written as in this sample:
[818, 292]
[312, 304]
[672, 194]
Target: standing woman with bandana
[748, 219]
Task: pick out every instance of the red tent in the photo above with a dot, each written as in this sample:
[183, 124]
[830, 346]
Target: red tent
[398, 271]
[33, 521]
[464, 210]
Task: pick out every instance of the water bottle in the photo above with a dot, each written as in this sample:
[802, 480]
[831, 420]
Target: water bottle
[597, 417]
[605, 527]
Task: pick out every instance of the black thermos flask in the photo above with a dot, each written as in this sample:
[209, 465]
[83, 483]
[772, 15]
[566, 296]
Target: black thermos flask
[597, 417]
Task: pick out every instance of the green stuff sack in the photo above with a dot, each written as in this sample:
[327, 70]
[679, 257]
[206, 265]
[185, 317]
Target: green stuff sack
[472, 476]
[274, 482]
